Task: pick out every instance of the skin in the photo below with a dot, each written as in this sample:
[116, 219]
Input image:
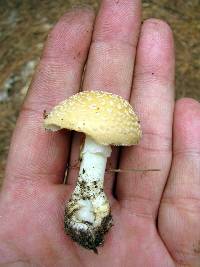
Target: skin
[156, 214]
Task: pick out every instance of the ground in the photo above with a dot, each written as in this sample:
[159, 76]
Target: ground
[25, 24]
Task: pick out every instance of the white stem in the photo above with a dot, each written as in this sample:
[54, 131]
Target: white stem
[88, 209]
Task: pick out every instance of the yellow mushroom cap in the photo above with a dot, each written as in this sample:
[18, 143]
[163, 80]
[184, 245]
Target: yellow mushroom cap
[107, 118]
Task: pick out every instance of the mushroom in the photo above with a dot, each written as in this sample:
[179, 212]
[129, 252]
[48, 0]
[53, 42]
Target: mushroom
[106, 119]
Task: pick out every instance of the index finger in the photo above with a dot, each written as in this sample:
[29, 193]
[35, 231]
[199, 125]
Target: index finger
[36, 155]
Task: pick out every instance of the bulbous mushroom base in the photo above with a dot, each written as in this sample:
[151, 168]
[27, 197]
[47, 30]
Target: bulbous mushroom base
[87, 234]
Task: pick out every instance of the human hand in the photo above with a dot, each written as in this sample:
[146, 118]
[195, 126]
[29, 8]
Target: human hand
[156, 214]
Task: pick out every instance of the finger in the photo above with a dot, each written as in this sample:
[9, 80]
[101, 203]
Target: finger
[34, 153]
[112, 53]
[152, 97]
[179, 216]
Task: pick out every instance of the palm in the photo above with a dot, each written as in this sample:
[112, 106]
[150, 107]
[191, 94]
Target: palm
[38, 232]
[156, 214]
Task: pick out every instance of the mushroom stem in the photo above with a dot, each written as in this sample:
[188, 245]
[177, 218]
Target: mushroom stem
[87, 214]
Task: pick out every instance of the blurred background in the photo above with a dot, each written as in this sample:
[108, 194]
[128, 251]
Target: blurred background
[24, 25]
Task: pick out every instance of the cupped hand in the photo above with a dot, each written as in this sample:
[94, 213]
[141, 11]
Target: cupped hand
[156, 214]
